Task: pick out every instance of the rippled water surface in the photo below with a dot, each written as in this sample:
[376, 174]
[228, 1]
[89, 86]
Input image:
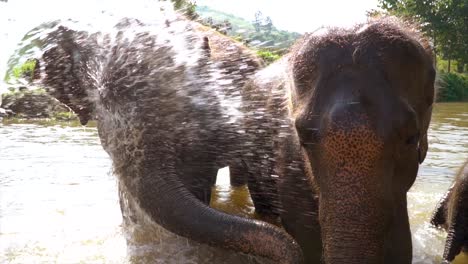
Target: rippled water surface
[57, 197]
[59, 204]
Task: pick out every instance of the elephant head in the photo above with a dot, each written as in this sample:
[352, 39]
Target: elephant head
[361, 101]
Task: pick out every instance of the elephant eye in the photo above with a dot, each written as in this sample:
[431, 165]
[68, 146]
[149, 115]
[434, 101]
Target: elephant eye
[309, 136]
[308, 130]
[413, 140]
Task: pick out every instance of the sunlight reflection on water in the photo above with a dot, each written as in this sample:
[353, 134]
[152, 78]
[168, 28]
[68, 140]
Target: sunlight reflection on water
[59, 203]
[58, 199]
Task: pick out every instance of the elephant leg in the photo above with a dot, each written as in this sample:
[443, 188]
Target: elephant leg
[238, 174]
[304, 227]
[126, 207]
[299, 201]
[299, 217]
[202, 182]
[264, 196]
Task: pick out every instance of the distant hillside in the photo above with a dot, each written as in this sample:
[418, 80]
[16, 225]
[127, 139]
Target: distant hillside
[260, 33]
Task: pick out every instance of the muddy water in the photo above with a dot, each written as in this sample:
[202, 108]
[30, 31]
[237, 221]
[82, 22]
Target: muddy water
[58, 198]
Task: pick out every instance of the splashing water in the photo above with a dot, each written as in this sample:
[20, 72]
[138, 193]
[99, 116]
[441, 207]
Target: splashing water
[112, 38]
[100, 18]
[59, 204]
[17, 18]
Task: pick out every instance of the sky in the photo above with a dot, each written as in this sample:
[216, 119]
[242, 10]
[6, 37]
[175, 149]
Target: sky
[298, 15]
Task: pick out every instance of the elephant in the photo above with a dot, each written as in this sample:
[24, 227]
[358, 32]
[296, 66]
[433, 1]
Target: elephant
[334, 135]
[165, 97]
[452, 214]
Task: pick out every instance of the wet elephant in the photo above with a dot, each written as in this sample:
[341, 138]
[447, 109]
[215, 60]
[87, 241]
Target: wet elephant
[452, 214]
[335, 133]
[159, 92]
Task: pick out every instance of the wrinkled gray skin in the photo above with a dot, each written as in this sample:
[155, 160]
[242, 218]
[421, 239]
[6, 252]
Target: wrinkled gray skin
[342, 123]
[452, 215]
[156, 92]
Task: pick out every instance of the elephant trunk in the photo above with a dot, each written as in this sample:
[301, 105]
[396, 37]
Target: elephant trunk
[353, 226]
[353, 210]
[172, 206]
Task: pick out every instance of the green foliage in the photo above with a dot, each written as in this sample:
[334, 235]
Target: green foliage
[64, 115]
[187, 6]
[26, 49]
[25, 70]
[223, 27]
[453, 88]
[238, 23]
[35, 103]
[258, 34]
[444, 21]
[442, 66]
[261, 23]
[268, 56]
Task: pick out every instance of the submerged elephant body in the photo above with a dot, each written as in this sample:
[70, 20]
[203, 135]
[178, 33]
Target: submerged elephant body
[452, 214]
[338, 128]
[165, 103]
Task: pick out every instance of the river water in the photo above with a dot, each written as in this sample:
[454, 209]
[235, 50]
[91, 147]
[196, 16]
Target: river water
[59, 204]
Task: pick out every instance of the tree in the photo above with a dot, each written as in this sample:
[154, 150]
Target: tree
[444, 21]
[268, 25]
[226, 27]
[208, 21]
[186, 6]
[257, 23]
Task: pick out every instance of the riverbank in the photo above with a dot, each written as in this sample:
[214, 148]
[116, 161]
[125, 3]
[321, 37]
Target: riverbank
[33, 104]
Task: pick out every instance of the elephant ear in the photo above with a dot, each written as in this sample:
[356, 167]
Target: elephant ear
[439, 217]
[422, 149]
[65, 65]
